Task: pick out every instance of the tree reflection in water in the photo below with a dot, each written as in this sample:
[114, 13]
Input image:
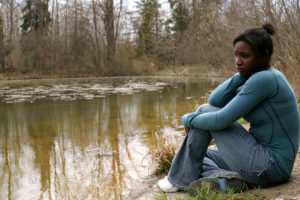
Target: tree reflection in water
[88, 149]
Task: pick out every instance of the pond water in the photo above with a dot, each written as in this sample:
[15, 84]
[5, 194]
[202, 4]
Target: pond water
[89, 138]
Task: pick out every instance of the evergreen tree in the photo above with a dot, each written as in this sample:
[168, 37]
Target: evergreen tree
[180, 16]
[36, 18]
[146, 31]
[35, 15]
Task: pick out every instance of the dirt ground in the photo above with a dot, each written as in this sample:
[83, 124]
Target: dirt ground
[287, 191]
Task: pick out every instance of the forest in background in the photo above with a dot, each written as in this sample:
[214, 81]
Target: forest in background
[106, 38]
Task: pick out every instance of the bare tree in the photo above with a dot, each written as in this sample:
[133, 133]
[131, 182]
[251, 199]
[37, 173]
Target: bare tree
[95, 22]
[11, 6]
[108, 19]
[100, 35]
[2, 56]
[270, 14]
[75, 40]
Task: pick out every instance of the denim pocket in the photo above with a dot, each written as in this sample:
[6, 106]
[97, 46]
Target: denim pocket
[265, 177]
[273, 175]
[255, 178]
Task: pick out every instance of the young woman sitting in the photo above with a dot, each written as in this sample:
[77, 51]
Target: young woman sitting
[262, 156]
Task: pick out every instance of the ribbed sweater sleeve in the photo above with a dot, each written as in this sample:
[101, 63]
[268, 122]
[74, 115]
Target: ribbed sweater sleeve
[256, 89]
[226, 91]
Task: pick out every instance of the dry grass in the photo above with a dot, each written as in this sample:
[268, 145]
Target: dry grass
[164, 154]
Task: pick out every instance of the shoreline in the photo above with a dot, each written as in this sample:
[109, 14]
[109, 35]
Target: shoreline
[34, 76]
[181, 72]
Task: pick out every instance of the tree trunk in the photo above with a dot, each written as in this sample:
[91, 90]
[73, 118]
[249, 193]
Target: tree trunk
[56, 22]
[194, 9]
[156, 16]
[97, 53]
[2, 58]
[118, 21]
[66, 28]
[76, 31]
[11, 19]
[109, 29]
[52, 14]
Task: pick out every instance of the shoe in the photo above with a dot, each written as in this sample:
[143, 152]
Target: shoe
[218, 184]
[165, 185]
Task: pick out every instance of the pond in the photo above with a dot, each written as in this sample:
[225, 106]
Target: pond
[89, 138]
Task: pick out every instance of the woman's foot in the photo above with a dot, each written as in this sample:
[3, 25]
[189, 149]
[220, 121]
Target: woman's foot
[219, 184]
[165, 185]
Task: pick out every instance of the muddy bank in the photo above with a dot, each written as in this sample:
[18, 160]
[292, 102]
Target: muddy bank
[287, 191]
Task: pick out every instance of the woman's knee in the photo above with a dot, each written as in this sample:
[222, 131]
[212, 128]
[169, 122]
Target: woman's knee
[207, 108]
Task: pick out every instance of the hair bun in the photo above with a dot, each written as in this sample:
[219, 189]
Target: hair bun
[269, 28]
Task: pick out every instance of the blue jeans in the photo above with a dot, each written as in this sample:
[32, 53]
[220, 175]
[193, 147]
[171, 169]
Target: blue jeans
[236, 151]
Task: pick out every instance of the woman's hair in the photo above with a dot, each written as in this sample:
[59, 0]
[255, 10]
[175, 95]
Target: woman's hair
[259, 40]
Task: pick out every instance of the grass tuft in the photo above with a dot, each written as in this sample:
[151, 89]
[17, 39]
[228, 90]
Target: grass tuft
[162, 196]
[242, 121]
[164, 155]
[208, 194]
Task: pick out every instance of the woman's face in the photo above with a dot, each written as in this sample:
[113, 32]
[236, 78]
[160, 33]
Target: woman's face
[245, 59]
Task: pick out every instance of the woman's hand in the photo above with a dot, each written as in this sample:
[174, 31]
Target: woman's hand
[186, 119]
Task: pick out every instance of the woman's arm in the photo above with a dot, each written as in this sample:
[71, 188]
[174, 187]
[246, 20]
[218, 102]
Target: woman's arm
[257, 88]
[226, 91]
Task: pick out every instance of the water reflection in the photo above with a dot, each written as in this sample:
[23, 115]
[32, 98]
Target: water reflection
[90, 149]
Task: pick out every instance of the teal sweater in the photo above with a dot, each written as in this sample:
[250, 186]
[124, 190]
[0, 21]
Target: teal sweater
[267, 101]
